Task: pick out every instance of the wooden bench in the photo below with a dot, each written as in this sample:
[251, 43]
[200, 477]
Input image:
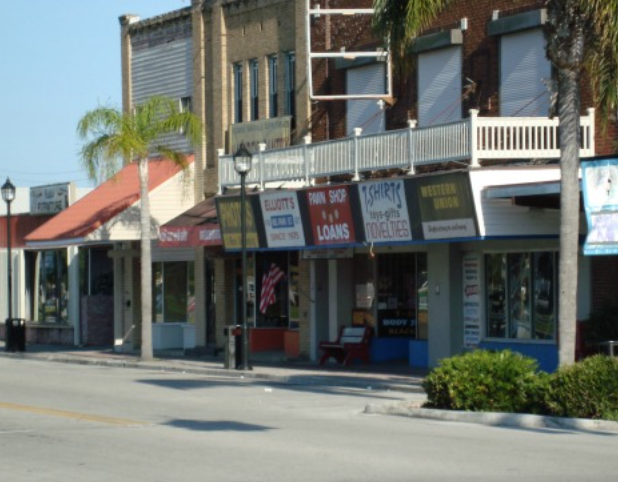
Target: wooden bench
[352, 342]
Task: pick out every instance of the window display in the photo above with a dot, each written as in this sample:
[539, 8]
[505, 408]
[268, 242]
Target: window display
[520, 295]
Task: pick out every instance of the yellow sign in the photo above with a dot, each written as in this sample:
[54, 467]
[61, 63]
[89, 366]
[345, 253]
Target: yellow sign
[228, 210]
[275, 133]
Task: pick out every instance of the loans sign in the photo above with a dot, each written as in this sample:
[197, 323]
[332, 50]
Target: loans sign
[331, 215]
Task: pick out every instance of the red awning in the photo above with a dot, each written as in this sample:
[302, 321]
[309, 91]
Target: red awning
[197, 226]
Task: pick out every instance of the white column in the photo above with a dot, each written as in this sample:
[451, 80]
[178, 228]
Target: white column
[73, 292]
[333, 330]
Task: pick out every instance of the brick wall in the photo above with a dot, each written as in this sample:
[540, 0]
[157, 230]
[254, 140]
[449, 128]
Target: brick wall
[480, 63]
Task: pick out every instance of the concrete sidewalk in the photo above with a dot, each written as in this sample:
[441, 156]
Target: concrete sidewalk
[388, 376]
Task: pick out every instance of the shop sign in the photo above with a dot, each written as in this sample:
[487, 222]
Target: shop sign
[329, 253]
[600, 193]
[228, 211]
[330, 215]
[282, 220]
[445, 206]
[396, 323]
[472, 300]
[189, 236]
[385, 211]
[275, 133]
[50, 199]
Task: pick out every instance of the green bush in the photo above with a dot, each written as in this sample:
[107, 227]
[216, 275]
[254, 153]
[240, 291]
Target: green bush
[587, 389]
[483, 380]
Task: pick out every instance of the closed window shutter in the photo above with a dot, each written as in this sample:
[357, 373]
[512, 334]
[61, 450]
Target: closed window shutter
[365, 113]
[439, 86]
[523, 66]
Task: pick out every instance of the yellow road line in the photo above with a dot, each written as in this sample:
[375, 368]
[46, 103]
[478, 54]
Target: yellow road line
[72, 415]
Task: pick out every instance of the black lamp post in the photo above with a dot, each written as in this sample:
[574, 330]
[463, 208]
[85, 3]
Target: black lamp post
[242, 164]
[8, 195]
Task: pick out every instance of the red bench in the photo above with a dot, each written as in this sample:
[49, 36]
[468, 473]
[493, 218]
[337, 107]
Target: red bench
[352, 343]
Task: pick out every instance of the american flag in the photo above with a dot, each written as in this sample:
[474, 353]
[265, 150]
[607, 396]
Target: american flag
[269, 281]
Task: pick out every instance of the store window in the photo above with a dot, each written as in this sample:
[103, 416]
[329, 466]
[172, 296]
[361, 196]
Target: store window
[272, 290]
[49, 276]
[521, 295]
[402, 306]
[173, 292]
[96, 272]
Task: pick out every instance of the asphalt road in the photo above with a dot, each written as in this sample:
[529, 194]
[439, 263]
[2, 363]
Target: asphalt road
[74, 423]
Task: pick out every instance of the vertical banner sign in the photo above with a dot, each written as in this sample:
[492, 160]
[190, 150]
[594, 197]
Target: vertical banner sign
[282, 221]
[331, 215]
[472, 300]
[600, 192]
[228, 211]
[385, 211]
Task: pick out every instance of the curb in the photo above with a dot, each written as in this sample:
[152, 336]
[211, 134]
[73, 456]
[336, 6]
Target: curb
[166, 366]
[501, 419]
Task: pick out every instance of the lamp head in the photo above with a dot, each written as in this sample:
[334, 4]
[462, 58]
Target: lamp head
[242, 160]
[8, 191]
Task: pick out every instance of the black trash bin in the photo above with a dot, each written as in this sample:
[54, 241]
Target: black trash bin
[15, 334]
[232, 335]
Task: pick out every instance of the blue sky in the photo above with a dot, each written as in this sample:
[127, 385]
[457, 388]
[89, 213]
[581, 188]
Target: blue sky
[60, 58]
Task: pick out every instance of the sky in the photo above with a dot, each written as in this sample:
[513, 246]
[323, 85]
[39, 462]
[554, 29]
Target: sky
[60, 59]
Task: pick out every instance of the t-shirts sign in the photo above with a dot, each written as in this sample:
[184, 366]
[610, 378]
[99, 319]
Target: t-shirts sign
[331, 215]
[282, 221]
[385, 211]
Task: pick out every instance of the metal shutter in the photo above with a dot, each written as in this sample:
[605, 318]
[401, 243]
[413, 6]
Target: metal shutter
[365, 113]
[523, 66]
[439, 86]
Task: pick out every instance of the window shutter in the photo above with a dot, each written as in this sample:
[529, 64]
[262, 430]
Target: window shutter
[365, 113]
[439, 86]
[523, 65]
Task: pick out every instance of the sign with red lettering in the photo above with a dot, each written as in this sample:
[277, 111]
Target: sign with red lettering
[331, 215]
[385, 211]
[282, 221]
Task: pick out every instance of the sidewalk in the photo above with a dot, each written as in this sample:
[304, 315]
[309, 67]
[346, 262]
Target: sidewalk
[388, 376]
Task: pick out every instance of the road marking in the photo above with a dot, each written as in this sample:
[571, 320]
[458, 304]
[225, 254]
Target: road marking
[72, 415]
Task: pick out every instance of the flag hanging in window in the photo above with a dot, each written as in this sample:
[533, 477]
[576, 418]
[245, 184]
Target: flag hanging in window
[269, 281]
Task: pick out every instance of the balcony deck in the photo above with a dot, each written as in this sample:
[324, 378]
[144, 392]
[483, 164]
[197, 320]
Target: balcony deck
[470, 141]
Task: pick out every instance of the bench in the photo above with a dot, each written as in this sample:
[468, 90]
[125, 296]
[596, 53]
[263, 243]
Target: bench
[352, 342]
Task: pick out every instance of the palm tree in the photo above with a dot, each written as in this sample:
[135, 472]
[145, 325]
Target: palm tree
[112, 135]
[582, 38]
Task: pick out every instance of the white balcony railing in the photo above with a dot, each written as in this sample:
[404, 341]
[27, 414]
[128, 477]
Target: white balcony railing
[473, 139]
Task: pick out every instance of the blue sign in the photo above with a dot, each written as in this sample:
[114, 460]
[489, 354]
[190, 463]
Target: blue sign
[600, 192]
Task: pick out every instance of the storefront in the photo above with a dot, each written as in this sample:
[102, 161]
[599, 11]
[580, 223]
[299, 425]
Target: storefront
[364, 251]
[81, 265]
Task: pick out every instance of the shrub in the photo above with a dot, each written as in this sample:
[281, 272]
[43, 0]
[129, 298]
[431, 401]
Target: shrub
[484, 380]
[587, 389]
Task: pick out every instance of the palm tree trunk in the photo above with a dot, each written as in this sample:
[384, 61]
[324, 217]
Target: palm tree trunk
[570, 141]
[146, 262]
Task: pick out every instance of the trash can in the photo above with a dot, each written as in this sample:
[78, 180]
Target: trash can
[15, 334]
[232, 335]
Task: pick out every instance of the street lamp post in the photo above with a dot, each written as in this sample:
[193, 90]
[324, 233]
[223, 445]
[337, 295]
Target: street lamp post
[8, 195]
[242, 164]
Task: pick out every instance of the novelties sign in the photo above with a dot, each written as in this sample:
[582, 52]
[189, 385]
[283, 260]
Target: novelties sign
[331, 215]
[282, 220]
[385, 211]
